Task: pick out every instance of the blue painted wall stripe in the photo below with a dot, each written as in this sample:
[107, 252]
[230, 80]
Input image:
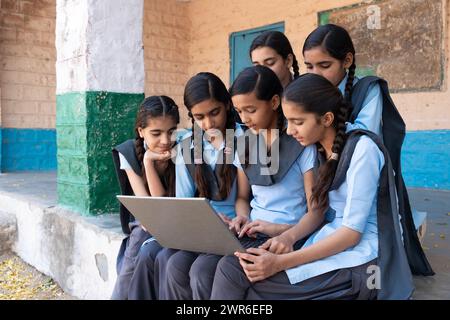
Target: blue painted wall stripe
[426, 159]
[28, 149]
[425, 154]
[1, 152]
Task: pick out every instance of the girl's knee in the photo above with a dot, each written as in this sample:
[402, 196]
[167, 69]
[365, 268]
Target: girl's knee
[228, 266]
[179, 264]
[203, 269]
[148, 252]
[163, 256]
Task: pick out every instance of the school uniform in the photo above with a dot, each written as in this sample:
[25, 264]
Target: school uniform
[125, 158]
[362, 198]
[143, 284]
[138, 251]
[374, 110]
[369, 116]
[277, 198]
[354, 205]
[172, 266]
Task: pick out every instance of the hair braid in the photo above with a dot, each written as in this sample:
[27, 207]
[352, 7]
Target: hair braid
[226, 173]
[327, 171]
[295, 67]
[349, 86]
[281, 121]
[201, 184]
[140, 151]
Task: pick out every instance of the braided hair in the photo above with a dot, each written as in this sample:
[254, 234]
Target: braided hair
[317, 95]
[336, 41]
[154, 107]
[201, 87]
[278, 42]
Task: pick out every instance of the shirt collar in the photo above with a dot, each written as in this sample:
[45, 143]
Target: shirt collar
[341, 85]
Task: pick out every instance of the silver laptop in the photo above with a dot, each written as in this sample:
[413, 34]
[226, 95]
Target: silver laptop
[183, 223]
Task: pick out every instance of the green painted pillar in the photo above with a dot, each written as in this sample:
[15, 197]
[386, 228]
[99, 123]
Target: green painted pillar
[100, 84]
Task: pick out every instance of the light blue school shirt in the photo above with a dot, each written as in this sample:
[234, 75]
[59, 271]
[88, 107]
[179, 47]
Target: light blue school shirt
[355, 206]
[185, 186]
[369, 118]
[283, 202]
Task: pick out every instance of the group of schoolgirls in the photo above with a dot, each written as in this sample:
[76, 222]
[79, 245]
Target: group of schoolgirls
[335, 211]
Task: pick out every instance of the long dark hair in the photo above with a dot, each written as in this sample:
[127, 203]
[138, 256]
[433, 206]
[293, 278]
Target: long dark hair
[337, 42]
[154, 107]
[316, 94]
[201, 87]
[278, 42]
[264, 83]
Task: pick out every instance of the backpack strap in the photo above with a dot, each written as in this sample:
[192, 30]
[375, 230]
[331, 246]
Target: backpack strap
[359, 93]
[394, 130]
[344, 161]
[128, 151]
[396, 277]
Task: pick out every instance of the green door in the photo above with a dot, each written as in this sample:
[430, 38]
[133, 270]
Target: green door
[240, 44]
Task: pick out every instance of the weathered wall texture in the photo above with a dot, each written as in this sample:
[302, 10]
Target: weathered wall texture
[210, 31]
[100, 85]
[166, 42]
[180, 38]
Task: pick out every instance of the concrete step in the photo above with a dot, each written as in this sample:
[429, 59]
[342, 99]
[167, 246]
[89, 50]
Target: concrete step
[78, 252]
[8, 231]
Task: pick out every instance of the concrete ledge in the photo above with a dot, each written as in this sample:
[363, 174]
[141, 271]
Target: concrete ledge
[8, 231]
[80, 252]
[77, 252]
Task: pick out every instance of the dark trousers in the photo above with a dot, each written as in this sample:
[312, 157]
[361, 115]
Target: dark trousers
[190, 275]
[127, 261]
[202, 274]
[143, 284]
[172, 271]
[231, 283]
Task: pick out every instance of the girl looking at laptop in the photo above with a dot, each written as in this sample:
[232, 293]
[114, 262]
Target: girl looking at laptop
[201, 171]
[144, 168]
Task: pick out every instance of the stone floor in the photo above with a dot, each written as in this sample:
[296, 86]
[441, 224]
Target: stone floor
[436, 243]
[40, 187]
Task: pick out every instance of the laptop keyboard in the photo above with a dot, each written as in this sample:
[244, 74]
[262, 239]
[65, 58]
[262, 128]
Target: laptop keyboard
[248, 242]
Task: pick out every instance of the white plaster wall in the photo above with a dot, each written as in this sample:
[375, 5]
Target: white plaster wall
[70, 42]
[99, 46]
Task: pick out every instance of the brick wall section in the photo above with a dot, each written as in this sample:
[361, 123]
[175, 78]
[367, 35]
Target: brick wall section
[27, 67]
[180, 39]
[212, 22]
[166, 40]
[210, 30]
